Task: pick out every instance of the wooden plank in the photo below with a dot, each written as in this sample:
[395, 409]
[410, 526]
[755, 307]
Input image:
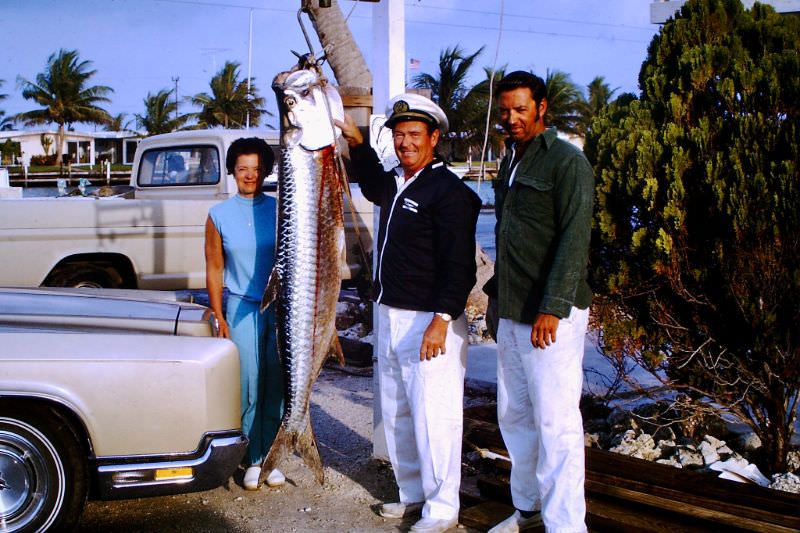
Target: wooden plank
[488, 514]
[357, 100]
[698, 495]
[604, 514]
[685, 486]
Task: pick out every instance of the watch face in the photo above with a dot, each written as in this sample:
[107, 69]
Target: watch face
[445, 317]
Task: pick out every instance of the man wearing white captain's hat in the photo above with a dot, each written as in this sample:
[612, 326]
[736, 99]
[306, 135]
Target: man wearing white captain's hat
[426, 269]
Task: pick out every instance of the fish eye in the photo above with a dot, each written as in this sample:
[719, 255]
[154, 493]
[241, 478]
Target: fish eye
[289, 101]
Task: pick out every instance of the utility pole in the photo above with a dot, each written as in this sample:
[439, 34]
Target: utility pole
[175, 81]
[249, 67]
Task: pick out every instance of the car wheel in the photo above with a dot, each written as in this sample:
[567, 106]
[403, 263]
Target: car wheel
[43, 476]
[84, 275]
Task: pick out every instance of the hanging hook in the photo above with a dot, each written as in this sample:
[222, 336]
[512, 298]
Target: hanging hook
[303, 28]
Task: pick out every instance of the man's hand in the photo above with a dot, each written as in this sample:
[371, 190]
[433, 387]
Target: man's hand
[433, 339]
[543, 332]
[350, 131]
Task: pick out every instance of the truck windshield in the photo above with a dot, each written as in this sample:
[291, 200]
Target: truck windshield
[184, 165]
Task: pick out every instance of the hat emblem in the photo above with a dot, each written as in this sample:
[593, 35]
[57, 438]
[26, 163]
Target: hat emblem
[401, 106]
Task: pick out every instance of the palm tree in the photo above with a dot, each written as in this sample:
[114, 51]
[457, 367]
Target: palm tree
[600, 94]
[159, 115]
[473, 112]
[344, 56]
[5, 122]
[118, 123]
[448, 89]
[63, 93]
[565, 102]
[229, 102]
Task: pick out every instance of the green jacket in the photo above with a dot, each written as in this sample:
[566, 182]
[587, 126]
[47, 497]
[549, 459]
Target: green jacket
[543, 231]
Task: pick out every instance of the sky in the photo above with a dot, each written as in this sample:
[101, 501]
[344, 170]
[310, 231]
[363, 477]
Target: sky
[141, 46]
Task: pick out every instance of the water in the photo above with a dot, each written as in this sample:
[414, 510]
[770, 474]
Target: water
[484, 232]
[484, 190]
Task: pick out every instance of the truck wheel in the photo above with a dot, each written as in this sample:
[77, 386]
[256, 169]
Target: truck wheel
[84, 275]
[43, 476]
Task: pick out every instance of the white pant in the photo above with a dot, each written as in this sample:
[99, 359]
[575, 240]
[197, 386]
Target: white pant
[422, 409]
[538, 397]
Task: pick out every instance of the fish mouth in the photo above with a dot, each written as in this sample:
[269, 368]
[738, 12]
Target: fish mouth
[311, 106]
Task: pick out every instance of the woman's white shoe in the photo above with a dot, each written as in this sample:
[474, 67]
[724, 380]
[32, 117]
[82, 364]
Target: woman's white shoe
[251, 477]
[276, 478]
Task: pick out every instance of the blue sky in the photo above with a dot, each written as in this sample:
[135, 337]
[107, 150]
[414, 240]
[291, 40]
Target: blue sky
[139, 46]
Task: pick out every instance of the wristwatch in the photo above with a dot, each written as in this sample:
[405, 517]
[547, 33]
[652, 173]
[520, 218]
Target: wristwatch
[444, 316]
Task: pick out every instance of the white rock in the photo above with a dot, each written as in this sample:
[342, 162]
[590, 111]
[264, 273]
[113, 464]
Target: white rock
[713, 441]
[793, 461]
[787, 482]
[671, 461]
[740, 470]
[689, 457]
[749, 442]
[709, 452]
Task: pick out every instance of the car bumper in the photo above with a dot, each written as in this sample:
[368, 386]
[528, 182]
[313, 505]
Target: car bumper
[208, 467]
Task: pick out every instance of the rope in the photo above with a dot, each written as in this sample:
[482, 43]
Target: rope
[491, 95]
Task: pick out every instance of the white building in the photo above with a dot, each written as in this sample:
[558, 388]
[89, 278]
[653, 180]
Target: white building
[82, 147]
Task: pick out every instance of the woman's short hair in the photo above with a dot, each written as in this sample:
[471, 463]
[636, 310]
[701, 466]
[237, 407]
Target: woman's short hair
[250, 145]
[520, 78]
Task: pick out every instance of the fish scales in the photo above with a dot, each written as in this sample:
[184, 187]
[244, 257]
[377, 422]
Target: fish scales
[305, 282]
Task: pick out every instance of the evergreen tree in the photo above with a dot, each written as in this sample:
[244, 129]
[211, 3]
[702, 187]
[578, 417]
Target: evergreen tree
[698, 219]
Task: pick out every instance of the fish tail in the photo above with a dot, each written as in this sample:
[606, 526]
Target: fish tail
[306, 446]
[304, 443]
[280, 447]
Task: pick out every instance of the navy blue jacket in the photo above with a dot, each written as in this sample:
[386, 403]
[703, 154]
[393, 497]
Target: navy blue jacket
[426, 240]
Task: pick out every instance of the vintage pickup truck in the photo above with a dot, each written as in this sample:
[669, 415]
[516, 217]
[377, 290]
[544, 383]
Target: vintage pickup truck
[150, 238]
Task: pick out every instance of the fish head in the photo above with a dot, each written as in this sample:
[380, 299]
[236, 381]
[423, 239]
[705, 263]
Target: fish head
[308, 107]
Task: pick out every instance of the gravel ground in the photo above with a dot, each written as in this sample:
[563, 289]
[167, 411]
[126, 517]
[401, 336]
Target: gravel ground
[355, 483]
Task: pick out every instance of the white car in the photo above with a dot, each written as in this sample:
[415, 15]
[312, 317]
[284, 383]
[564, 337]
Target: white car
[110, 394]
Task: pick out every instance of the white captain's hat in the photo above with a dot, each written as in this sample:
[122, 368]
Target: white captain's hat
[410, 106]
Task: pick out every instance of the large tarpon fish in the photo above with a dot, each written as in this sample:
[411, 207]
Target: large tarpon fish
[305, 282]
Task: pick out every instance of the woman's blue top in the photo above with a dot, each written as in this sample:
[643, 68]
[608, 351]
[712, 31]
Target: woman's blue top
[247, 228]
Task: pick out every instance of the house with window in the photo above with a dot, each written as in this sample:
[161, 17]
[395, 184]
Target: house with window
[118, 147]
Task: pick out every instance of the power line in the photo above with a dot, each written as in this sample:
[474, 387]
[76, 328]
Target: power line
[548, 19]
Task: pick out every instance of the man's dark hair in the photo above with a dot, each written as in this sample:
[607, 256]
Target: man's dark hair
[520, 78]
[250, 145]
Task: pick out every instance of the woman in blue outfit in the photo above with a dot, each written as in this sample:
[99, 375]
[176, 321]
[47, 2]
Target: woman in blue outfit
[240, 248]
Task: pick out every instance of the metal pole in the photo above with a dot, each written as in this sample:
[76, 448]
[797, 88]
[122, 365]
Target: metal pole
[175, 79]
[249, 65]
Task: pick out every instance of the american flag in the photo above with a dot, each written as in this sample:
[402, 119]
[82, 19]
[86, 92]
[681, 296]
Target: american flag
[413, 64]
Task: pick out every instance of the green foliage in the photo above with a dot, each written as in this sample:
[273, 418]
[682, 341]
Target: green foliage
[698, 201]
[64, 95]
[565, 102]
[160, 114]
[229, 101]
[449, 90]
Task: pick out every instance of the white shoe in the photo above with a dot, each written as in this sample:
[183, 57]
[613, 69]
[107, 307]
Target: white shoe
[399, 509]
[276, 478]
[515, 523]
[434, 525]
[251, 476]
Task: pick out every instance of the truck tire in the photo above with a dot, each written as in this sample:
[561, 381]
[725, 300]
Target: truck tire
[43, 473]
[85, 275]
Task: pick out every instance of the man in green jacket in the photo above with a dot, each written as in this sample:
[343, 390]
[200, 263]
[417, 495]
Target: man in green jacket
[543, 200]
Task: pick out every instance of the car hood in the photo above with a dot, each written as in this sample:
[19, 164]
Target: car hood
[108, 310]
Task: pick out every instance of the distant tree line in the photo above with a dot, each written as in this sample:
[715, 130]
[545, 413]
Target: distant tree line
[65, 96]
